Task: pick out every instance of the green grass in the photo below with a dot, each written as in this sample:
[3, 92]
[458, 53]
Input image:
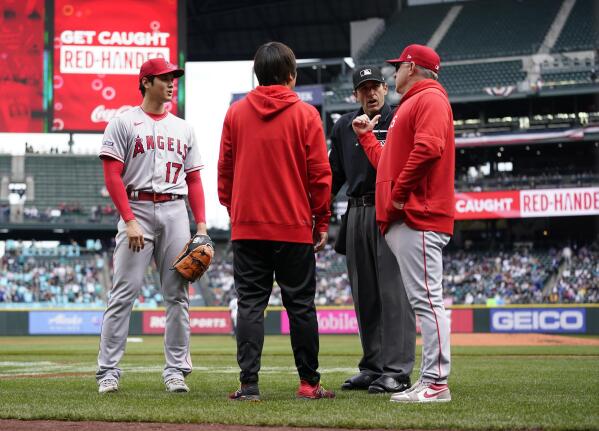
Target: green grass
[492, 387]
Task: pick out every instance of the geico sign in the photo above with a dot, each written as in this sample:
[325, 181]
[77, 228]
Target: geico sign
[537, 320]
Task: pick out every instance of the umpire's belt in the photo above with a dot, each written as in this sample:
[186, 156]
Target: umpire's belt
[138, 195]
[362, 201]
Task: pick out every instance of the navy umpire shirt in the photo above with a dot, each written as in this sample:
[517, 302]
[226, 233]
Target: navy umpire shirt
[348, 160]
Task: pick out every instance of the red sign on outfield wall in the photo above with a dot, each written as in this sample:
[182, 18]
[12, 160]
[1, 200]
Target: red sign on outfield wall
[527, 203]
[202, 322]
[99, 47]
[344, 321]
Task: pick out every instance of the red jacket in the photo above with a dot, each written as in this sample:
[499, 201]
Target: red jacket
[417, 164]
[273, 170]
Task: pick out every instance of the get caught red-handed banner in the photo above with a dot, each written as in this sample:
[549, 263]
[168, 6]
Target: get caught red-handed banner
[99, 47]
[527, 203]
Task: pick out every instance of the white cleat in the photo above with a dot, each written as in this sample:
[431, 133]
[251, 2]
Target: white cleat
[108, 385]
[176, 385]
[423, 392]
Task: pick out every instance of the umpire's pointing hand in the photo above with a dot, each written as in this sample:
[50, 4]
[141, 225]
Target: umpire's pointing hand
[135, 235]
[363, 124]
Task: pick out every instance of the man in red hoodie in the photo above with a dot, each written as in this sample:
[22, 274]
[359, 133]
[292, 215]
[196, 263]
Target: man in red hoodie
[415, 204]
[274, 179]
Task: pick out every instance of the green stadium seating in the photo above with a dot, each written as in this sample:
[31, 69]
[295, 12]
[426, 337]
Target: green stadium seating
[561, 78]
[498, 28]
[581, 31]
[5, 165]
[469, 79]
[66, 179]
[411, 25]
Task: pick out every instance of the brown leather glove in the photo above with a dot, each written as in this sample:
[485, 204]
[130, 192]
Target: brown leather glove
[195, 258]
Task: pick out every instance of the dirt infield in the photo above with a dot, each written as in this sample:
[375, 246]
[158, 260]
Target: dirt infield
[520, 340]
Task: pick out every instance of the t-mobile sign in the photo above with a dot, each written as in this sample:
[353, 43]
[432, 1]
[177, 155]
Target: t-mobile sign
[98, 53]
[329, 322]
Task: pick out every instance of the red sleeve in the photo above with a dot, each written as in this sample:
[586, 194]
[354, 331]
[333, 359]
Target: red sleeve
[196, 196]
[319, 175]
[372, 147]
[113, 170]
[431, 117]
[225, 166]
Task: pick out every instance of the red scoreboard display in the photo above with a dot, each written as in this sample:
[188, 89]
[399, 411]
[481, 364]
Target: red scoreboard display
[99, 47]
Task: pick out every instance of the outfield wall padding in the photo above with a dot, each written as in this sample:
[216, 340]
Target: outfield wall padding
[14, 323]
[554, 319]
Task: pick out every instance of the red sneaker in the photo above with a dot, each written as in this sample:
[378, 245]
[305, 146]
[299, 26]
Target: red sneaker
[313, 392]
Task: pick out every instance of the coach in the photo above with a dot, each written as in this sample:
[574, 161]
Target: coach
[415, 204]
[385, 318]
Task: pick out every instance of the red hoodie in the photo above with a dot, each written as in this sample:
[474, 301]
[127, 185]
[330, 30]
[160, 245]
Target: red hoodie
[416, 166]
[274, 175]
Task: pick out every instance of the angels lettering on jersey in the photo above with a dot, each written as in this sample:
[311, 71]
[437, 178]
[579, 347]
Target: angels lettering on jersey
[162, 143]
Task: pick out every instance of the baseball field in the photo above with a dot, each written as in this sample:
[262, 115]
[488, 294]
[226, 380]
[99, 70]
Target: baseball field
[544, 382]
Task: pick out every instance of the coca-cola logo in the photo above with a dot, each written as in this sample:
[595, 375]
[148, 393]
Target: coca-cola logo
[102, 114]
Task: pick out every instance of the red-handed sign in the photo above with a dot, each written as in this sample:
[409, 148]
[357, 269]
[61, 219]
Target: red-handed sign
[21, 65]
[527, 203]
[99, 47]
[202, 322]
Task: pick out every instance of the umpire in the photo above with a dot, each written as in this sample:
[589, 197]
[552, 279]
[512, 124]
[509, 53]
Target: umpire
[385, 318]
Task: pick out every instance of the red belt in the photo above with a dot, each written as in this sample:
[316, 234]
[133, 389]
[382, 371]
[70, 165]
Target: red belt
[137, 195]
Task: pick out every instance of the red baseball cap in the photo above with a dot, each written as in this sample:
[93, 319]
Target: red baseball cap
[421, 55]
[159, 66]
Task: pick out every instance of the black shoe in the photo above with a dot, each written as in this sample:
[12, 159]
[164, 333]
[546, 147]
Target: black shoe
[359, 382]
[386, 384]
[246, 392]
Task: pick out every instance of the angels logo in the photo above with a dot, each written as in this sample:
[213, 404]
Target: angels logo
[139, 146]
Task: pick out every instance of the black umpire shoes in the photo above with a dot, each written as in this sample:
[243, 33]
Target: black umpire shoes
[246, 392]
[360, 381]
[387, 384]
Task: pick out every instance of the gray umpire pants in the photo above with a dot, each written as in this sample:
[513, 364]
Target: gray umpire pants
[419, 254]
[166, 231]
[385, 318]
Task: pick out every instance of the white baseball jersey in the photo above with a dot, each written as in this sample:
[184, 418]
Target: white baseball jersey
[157, 153]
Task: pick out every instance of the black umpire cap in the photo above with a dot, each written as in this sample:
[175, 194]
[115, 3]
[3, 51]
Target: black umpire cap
[367, 73]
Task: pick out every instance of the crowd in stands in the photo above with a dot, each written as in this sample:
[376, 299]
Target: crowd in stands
[521, 276]
[579, 280]
[515, 277]
[54, 280]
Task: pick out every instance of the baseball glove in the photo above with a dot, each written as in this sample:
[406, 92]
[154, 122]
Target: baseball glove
[195, 258]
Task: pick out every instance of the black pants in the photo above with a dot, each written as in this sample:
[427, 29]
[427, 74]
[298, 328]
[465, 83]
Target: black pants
[385, 317]
[294, 267]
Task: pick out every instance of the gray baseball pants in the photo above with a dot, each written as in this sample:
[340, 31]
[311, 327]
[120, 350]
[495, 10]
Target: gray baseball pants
[385, 317]
[166, 231]
[420, 262]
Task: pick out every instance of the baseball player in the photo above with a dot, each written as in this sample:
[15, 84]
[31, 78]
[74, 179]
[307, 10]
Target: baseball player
[385, 317]
[151, 162]
[415, 204]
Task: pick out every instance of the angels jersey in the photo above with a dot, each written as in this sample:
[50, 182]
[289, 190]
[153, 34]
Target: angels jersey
[157, 154]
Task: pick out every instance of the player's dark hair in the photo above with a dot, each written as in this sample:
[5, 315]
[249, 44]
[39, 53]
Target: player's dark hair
[274, 62]
[141, 86]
